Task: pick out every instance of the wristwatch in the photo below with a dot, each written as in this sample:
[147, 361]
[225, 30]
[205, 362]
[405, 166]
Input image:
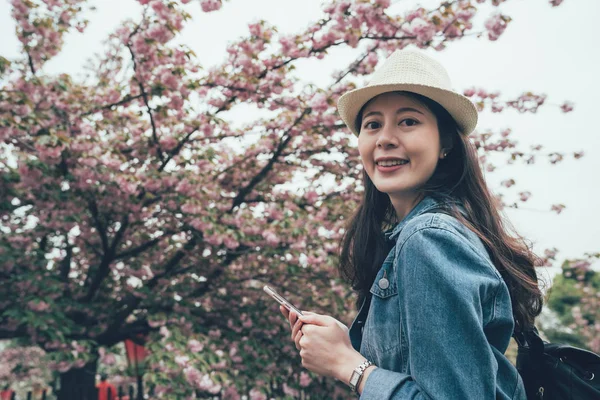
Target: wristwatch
[357, 375]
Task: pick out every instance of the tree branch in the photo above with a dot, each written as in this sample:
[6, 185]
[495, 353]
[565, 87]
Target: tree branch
[147, 103]
[65, 269]
[177, 149]
[93, 207]
[30, 60]
[239, 199]
[107, 259]
[125, 100]
[130, 303]
[141, 248]
[128, 331]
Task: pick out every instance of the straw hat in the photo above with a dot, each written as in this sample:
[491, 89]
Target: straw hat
[410, 71]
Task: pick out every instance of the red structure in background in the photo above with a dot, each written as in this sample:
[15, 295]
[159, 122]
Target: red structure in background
[136, 356]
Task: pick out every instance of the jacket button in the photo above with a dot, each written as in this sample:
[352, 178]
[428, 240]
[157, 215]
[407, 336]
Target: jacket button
[384, 283]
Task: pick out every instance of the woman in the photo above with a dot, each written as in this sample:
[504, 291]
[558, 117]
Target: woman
[441, 283]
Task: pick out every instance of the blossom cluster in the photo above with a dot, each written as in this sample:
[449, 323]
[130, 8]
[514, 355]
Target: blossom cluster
[41, 26]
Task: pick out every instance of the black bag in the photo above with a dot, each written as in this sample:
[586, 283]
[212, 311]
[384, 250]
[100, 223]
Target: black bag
[557, 372]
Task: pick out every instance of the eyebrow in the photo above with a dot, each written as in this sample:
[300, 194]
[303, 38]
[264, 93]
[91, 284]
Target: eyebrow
[398, 111]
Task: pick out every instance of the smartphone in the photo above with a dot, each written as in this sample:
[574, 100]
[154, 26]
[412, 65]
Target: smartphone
[281, 300]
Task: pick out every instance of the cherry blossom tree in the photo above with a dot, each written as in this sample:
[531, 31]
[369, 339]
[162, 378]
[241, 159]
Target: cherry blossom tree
[131, 204]
[575, 299]
[23, 367]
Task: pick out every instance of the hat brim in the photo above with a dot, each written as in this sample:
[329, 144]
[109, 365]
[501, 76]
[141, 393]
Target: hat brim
[458, 106]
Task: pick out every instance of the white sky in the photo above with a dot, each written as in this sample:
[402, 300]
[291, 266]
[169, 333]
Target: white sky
[545, 50]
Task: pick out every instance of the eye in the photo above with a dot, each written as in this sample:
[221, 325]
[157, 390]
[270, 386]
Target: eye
[372, 125]
[409, 122]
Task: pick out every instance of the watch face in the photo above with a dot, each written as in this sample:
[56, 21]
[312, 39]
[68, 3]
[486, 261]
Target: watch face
[354, 378]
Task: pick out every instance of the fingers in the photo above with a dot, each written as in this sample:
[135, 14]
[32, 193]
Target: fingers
[315, 319]
[284, 311]
[296, 328]
[292, 317]
[289, 315]
[297, 338]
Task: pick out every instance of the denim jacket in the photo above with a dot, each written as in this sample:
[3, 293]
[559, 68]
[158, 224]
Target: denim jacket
[439, 322]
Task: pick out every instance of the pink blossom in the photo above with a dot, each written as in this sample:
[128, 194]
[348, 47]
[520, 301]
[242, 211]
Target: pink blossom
[198, 224]
[470, 92]
[311, 196]
[383, 3]
[417, 13]
[551, 253]
[169, 79]
[210, 5]
[176, 102]
[231, 393]
[255, 29]
[214, 333]
[524, 196]
[422, 29]
[566, 107]
[214, 239]
[319, 103]
[482, 93]
[160, 33]
[38, 306]
[231, 243]
[168, 143]
[164, 331]
[159, 7]
[195, 346]
[496, 108]
[184, 187]
[209, 385]
[256, 394]
[305, 379]
[247, 323]
[289, 391]
[193, 376]
[182, 360]
[190, 208]
[496, 25]
[271, 238]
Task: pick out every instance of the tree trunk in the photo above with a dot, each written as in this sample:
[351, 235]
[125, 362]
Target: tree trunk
[79, 383]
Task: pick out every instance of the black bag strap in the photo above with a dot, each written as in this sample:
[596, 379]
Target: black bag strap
[530, 340]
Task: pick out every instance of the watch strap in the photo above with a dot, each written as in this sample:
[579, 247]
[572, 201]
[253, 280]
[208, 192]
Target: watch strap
[357, 375]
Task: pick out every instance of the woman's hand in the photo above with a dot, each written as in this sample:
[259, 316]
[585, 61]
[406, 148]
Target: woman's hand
[324, 344]
[295, 324]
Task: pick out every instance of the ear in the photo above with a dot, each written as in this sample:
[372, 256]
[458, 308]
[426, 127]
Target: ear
[443, 153]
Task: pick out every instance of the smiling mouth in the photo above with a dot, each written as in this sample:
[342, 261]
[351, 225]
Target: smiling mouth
[391, 163]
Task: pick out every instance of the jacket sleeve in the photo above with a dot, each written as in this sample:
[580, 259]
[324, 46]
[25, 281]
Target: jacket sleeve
[445, 285]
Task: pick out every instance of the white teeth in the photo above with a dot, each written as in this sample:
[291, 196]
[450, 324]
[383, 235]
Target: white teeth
[391, 163]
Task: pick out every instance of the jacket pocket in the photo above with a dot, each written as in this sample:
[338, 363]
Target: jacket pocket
[385, 284]
[382, 333]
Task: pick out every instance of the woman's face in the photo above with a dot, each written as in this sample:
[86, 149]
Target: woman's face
[399, 144]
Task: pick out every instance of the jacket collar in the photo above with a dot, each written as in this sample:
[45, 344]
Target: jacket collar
[427, 204]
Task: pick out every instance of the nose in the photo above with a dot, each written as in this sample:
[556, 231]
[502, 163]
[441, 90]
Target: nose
[386, 138]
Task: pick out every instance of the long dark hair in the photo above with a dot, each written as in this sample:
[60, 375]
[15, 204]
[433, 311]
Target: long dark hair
[457, 177]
